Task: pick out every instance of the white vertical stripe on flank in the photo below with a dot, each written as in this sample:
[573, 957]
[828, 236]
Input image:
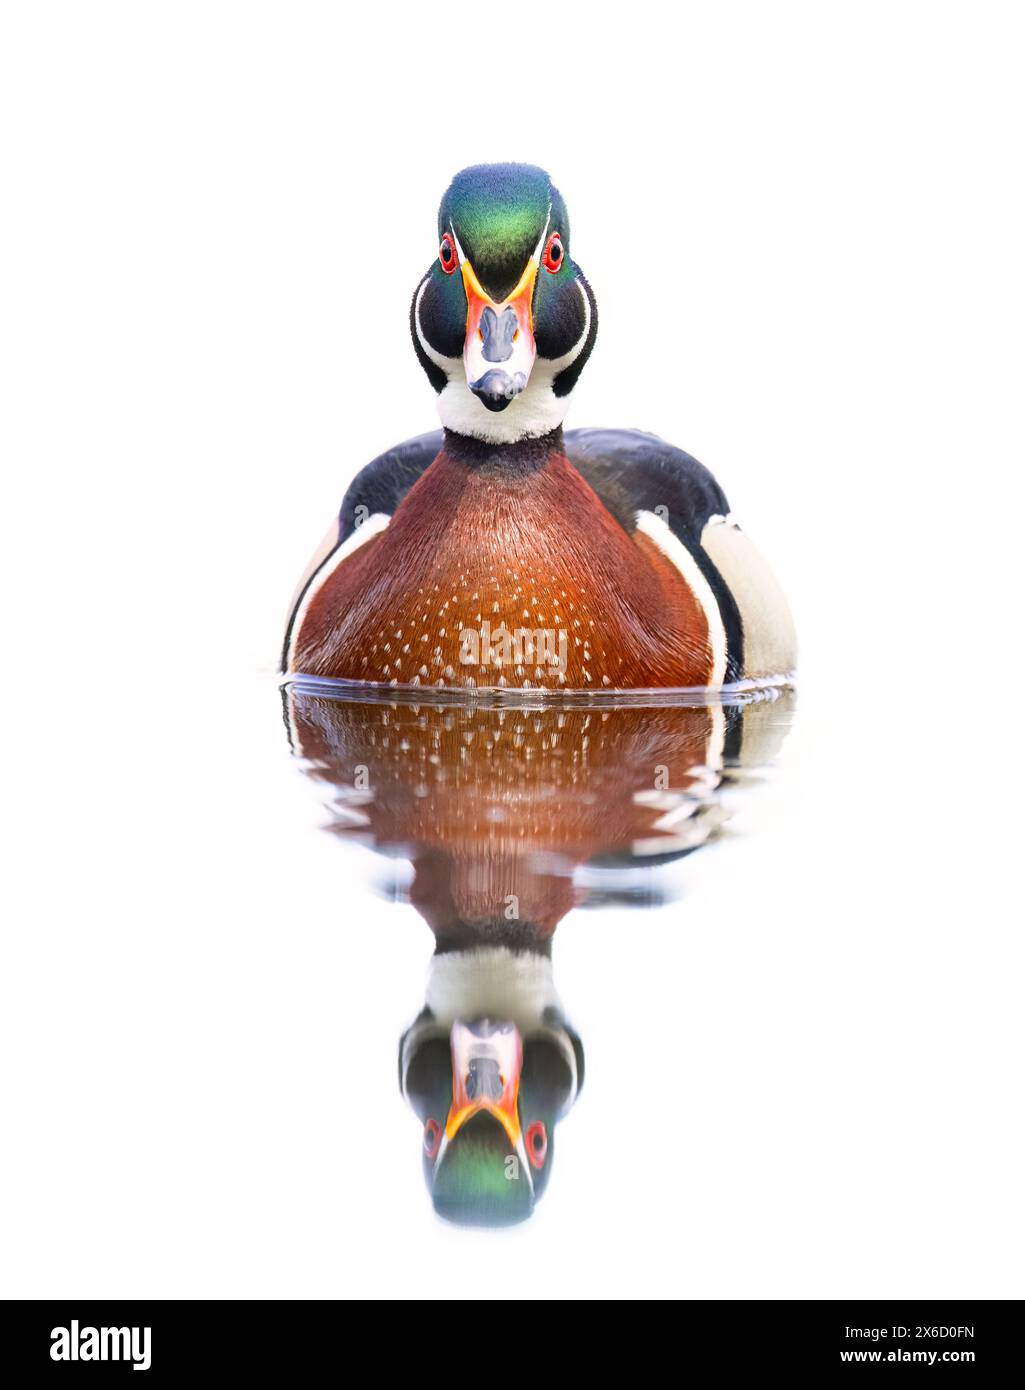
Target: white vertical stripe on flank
[373, 526]
[675, 551]
[770, 643]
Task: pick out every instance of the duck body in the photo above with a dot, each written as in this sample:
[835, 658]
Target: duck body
[502, 553]
[483, 547]
[603, 559]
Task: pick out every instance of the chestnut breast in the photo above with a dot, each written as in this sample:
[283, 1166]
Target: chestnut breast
[492, 576]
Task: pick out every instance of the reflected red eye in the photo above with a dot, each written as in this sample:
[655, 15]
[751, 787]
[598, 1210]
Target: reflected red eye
[536, 1140]
[552, 258]
[447, 254]
[432, 1138]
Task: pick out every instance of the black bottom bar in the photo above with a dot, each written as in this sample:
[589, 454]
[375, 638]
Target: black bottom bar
[302, 1340]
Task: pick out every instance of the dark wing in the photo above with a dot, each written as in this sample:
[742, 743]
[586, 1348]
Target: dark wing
[382, 484]
[376, 490]
[633, 472]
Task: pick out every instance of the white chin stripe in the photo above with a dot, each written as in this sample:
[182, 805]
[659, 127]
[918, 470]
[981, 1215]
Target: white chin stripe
[675, 551]
[373, 526]
[449, 365]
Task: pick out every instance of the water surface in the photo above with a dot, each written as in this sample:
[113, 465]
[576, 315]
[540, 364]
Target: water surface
[500, 817]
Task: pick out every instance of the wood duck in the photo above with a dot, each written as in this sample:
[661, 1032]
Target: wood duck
[503, 812]
[500, 552]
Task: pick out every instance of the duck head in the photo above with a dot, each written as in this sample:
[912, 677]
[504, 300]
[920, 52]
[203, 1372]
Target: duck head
[489, 1090]
[503, 321]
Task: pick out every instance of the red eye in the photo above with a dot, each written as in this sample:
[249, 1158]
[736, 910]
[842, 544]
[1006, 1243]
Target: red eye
[432, 1138]
[552, 258]
[536, 1140]
[447, 254]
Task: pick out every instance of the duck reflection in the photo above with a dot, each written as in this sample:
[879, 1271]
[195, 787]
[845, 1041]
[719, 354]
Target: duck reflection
[511, 815]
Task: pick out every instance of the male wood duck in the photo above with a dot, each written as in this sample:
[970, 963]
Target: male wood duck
[500, 552]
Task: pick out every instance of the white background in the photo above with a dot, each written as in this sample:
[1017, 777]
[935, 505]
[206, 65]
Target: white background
[804, 227]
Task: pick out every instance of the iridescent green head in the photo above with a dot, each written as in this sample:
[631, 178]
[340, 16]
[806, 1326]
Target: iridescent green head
[503, 321]
[489, 1097]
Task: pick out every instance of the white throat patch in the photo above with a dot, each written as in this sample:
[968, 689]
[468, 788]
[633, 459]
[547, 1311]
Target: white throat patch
[535, 412]
[498, 982]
